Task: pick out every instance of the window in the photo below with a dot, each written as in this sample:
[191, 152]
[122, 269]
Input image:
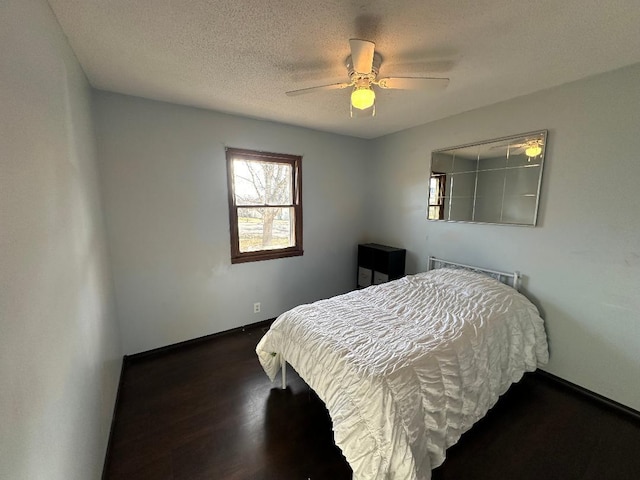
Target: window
[265, 205]
[436, 196]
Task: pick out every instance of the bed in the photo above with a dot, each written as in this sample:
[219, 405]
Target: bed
[406, 367]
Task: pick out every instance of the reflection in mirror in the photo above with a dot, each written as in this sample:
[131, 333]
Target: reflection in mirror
[497, 181]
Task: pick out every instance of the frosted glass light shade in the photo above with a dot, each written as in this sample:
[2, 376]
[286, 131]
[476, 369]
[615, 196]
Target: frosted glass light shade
[362, 97]
[533, 150]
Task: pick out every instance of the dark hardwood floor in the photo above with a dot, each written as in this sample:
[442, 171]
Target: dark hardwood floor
[208, 411]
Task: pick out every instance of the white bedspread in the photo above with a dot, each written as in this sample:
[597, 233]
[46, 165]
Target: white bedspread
[406, 367]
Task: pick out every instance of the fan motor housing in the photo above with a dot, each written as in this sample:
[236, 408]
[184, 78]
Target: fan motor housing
[358, 76]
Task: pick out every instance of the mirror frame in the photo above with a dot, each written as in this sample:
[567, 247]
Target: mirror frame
[521, 137]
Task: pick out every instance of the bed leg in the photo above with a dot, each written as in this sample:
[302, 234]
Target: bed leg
[283, 363]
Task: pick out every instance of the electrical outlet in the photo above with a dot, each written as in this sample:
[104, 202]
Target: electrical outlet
[256, 307]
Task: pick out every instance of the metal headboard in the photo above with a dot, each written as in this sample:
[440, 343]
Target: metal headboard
[512, 279]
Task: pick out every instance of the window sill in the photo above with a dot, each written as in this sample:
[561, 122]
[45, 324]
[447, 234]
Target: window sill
[266, 255]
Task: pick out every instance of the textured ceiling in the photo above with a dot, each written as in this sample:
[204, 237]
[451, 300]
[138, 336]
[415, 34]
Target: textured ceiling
[240, 56]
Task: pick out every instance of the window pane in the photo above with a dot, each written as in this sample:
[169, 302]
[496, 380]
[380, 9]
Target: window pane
[433, 190]
[260, 183]
[266, 228]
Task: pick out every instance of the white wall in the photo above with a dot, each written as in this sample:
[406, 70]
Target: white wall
[59, 349]
[163, 170]
[582, 262]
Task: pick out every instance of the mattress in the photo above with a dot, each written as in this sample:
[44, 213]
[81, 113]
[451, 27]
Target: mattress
[406, 367]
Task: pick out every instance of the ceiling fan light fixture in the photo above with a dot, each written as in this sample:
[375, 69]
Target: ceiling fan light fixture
[363, 97]
[363, 66]
[533, 151]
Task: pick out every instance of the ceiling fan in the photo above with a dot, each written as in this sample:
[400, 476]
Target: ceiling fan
[531, 147]
[363, 66]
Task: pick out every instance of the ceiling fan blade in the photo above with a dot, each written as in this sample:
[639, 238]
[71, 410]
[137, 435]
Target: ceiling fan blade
[507, 144]
[413, 83]
[333, 86]
[362, 55]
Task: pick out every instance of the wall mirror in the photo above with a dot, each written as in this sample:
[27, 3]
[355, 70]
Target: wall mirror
[496, 181]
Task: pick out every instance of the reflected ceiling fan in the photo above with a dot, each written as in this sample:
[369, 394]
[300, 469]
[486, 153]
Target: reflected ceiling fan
[530, 147]
[363, 66]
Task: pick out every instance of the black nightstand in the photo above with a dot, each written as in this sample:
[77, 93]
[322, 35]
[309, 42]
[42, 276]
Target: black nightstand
[379, 264]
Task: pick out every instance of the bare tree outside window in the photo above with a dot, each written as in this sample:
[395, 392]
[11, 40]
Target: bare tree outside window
[264, 183]
[265, 205]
